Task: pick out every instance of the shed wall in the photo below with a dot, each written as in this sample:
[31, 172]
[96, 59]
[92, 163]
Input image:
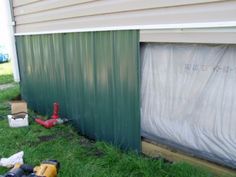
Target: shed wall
[94, 76]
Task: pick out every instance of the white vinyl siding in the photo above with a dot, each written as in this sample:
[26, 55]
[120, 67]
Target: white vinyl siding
[50, 16]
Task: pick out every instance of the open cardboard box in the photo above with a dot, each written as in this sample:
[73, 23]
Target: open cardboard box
[19, 114]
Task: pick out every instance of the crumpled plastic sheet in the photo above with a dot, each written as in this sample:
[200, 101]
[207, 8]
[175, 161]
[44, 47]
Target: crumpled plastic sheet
[188, 98]
[12, 160]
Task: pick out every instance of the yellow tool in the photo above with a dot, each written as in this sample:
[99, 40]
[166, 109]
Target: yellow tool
[47, 168]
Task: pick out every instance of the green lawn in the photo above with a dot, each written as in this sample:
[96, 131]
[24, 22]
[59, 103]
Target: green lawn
[79, 156]
[6, 73]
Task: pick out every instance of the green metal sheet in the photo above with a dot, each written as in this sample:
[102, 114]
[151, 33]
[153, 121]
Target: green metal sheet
[93, 75]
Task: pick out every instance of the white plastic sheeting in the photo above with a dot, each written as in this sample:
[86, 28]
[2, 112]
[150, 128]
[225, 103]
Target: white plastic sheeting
[188, 97]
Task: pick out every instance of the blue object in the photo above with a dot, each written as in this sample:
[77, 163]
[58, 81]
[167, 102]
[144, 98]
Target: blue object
[4, 57]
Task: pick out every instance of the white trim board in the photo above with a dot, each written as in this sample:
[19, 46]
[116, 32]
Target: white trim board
[223, 35]
[188, 37]
[140, 27]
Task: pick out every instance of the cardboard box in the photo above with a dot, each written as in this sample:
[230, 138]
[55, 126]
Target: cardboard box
[19, 114]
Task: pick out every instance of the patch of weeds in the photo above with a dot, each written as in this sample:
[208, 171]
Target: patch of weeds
[5, 79]
[10, 93]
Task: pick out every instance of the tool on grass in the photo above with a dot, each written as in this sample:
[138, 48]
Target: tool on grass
[55, 111]
[19, 171]
[55, 119]
[51, 122]
[47, 168]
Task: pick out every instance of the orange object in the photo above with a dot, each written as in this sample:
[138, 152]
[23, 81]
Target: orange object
[47, 169]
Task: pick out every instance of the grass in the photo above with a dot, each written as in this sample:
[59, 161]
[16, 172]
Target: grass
[5, 79]
[6, 73]
[5, 68]
[9, 94]
[79, 156]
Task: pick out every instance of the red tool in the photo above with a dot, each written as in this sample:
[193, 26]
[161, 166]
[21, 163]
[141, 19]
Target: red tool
[55, 111]
[50, 122]
[54, 118]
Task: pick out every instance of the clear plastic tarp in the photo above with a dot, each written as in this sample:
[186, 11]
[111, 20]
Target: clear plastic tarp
[188, 94]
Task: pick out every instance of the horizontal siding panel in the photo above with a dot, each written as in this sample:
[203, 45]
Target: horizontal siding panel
[219, 37]
[46, 5]
[17, 3]
[212, 12]
[94, 8]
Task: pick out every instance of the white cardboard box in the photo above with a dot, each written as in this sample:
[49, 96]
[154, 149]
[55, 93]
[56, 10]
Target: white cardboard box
[19, 117]
[18, 122]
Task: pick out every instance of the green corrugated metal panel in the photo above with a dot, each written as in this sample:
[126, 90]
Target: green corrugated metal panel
[93, 75]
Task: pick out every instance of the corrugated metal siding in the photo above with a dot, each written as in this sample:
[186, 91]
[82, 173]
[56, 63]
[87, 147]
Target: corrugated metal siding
[93, 75]
[54, 15]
